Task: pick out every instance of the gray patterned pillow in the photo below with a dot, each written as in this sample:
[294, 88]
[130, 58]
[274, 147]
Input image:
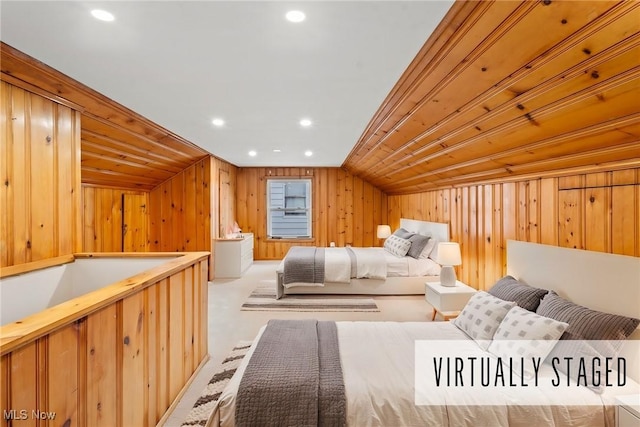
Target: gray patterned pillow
[509, 289]
[397, 245]
[524, 335]
[591, 334]
[418, 242]
[584, 323]
[401, 232]
[481, 317]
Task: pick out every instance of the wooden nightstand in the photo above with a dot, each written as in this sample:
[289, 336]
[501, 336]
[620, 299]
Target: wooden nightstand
[447, 300]
[628, 411]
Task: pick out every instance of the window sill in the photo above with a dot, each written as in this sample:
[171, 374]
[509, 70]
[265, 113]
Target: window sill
[289, 240]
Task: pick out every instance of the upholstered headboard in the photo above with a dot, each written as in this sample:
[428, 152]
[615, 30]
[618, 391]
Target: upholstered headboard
[597, 280]
[437, 230]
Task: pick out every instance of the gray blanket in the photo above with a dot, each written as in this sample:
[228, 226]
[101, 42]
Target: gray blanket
[294, 377]
[304, 264]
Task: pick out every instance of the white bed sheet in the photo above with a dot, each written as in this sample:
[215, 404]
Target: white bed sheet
[396, 267]
[378, 367]
[409, 267]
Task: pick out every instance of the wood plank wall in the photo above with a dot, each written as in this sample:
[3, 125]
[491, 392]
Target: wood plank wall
[184, 210]
[122, 365]
[346, 209]
[599, 212]
[104, 216]
[40, 170]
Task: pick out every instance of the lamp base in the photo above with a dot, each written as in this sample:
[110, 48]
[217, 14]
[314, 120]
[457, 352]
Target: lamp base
[447, 276]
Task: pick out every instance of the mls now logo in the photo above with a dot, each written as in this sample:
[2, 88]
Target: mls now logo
[23, 414]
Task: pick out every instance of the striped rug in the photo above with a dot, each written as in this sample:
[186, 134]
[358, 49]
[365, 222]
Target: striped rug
[264, 299]
[204, 406]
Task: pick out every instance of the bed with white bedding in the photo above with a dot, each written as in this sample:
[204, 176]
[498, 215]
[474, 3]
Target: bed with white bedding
[379, 359]
[378, 272]
[378, 367]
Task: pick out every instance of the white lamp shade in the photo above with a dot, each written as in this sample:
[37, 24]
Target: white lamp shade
[449, 253]
[384, 231]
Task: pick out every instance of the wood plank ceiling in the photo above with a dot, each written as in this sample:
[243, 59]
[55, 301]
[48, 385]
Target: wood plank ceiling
[510, 89]
[120, 148]
[502, 89]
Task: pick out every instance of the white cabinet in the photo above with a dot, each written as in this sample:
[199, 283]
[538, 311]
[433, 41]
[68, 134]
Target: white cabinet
[232, 257]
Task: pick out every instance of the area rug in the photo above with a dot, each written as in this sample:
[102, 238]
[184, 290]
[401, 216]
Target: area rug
[264, 299]
[204, 406]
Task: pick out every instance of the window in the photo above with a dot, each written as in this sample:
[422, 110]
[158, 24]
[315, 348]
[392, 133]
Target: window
[289, 208]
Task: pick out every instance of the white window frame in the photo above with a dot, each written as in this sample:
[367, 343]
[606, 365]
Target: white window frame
[308, 208]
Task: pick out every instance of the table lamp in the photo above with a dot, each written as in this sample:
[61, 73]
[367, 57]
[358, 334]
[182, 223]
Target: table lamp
[448, 256]
[384, 231]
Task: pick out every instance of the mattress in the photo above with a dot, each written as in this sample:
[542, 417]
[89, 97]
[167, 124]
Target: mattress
[378, 362]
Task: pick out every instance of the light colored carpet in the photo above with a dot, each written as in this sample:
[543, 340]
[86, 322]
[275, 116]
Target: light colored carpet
[204, 406]
[263, 298]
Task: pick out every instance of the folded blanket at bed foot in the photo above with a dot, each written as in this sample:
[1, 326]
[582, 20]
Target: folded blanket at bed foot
[294, 377]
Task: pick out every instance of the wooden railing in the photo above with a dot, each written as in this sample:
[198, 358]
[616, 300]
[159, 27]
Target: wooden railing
[120, 356]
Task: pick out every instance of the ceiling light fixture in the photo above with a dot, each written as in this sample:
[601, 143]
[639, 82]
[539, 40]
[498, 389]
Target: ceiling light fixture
[295, 16]
[308, 153]
[305, 123]
[277, 150]
[253, 153]
[217, 122]
[102, 15]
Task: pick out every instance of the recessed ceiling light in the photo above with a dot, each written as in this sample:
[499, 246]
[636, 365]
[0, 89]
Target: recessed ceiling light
[305, 123]
[295, 16]
[217, 122]
[277, 150]
[253, 153]
[308, 153]
[102, 15]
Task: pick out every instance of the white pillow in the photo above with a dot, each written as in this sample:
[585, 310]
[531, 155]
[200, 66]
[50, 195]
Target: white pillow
[426, 251]
[481, 317]
[397, 245]
[434, 251]
[524, 335]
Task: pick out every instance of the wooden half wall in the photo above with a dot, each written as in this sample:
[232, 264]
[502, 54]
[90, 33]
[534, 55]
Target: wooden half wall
[345, 209]
[598, 212]
[40, 171]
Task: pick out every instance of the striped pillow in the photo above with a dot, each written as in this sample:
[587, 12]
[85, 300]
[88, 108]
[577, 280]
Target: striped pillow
[510, 289]
[591, 335]
[584, 323]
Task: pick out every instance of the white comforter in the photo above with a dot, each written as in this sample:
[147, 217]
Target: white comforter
[371, 263]
[378, 366]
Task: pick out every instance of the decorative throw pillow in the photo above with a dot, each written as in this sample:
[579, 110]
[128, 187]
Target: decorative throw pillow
[481, 317]
[524, 336]
[426, 252]
[591, 334]
[418, 242]
[584, 323]
[397, 245]
[434, 252]
[401, 232]
[510, 289]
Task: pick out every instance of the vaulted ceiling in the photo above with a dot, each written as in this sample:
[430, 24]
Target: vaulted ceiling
[501, 90]
[510, 89]
[119, 148]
